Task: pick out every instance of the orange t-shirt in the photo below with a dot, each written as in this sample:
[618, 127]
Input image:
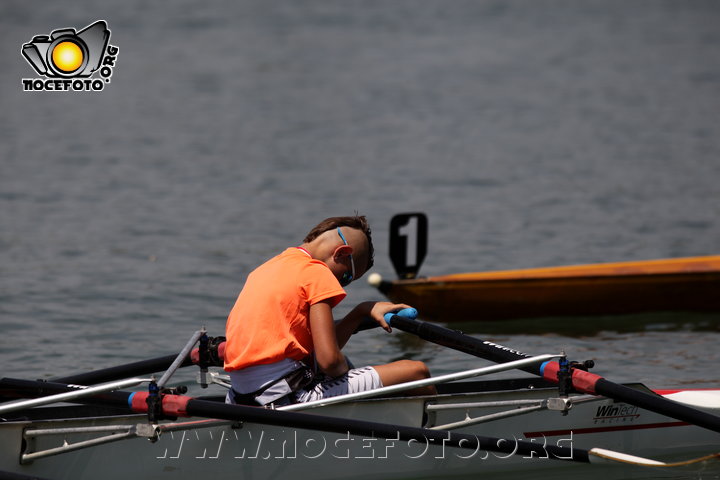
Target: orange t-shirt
[270, 319]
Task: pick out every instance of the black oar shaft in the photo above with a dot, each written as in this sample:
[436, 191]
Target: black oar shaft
[500, 354]
[461, 342]
[142, 367]
[213, 356]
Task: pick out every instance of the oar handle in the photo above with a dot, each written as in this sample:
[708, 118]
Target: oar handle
[410, 313]
[368, 323]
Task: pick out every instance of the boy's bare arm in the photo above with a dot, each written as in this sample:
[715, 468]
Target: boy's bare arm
[327, 351]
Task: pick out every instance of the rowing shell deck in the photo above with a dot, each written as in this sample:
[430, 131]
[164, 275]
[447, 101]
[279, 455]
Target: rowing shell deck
[681, 284]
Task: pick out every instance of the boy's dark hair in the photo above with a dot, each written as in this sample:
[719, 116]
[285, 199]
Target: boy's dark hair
[358, 222]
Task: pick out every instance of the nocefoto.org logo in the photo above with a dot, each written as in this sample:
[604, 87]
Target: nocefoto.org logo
[67, 59]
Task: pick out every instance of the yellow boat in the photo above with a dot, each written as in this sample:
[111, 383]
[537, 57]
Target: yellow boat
[679, 284]
[690, 284]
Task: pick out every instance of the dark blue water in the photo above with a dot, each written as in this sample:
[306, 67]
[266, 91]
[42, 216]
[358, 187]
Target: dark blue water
[531, 133]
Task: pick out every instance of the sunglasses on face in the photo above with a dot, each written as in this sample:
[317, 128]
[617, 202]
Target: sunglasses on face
[347, 276]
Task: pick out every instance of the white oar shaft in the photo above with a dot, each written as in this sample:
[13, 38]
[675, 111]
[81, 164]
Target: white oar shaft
[609, 455]
[421, 383]
[62, 397]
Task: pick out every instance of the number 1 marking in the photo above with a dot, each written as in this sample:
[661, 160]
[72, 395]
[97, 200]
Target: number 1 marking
[410, 232]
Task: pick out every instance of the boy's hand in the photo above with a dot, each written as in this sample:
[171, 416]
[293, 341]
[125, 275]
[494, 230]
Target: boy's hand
[378, 311]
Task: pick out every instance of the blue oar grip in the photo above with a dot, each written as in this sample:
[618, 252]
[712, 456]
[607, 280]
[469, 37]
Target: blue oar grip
[405, 312]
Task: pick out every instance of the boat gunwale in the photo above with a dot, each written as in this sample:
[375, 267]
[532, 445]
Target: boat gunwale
[573, 273]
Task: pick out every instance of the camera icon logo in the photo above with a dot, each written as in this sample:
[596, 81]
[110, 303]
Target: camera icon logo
[67, 53]
[67, 59]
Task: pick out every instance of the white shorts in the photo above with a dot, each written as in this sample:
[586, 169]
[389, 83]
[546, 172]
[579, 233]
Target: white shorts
[354, 381]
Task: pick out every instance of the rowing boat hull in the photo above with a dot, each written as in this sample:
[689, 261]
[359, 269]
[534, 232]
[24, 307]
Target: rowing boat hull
[264, 452]
[682, 284]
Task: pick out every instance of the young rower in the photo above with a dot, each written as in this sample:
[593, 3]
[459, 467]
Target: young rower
[283, 345]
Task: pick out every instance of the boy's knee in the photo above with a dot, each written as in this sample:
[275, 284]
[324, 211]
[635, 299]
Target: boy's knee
[419, 369]
[424, 370]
